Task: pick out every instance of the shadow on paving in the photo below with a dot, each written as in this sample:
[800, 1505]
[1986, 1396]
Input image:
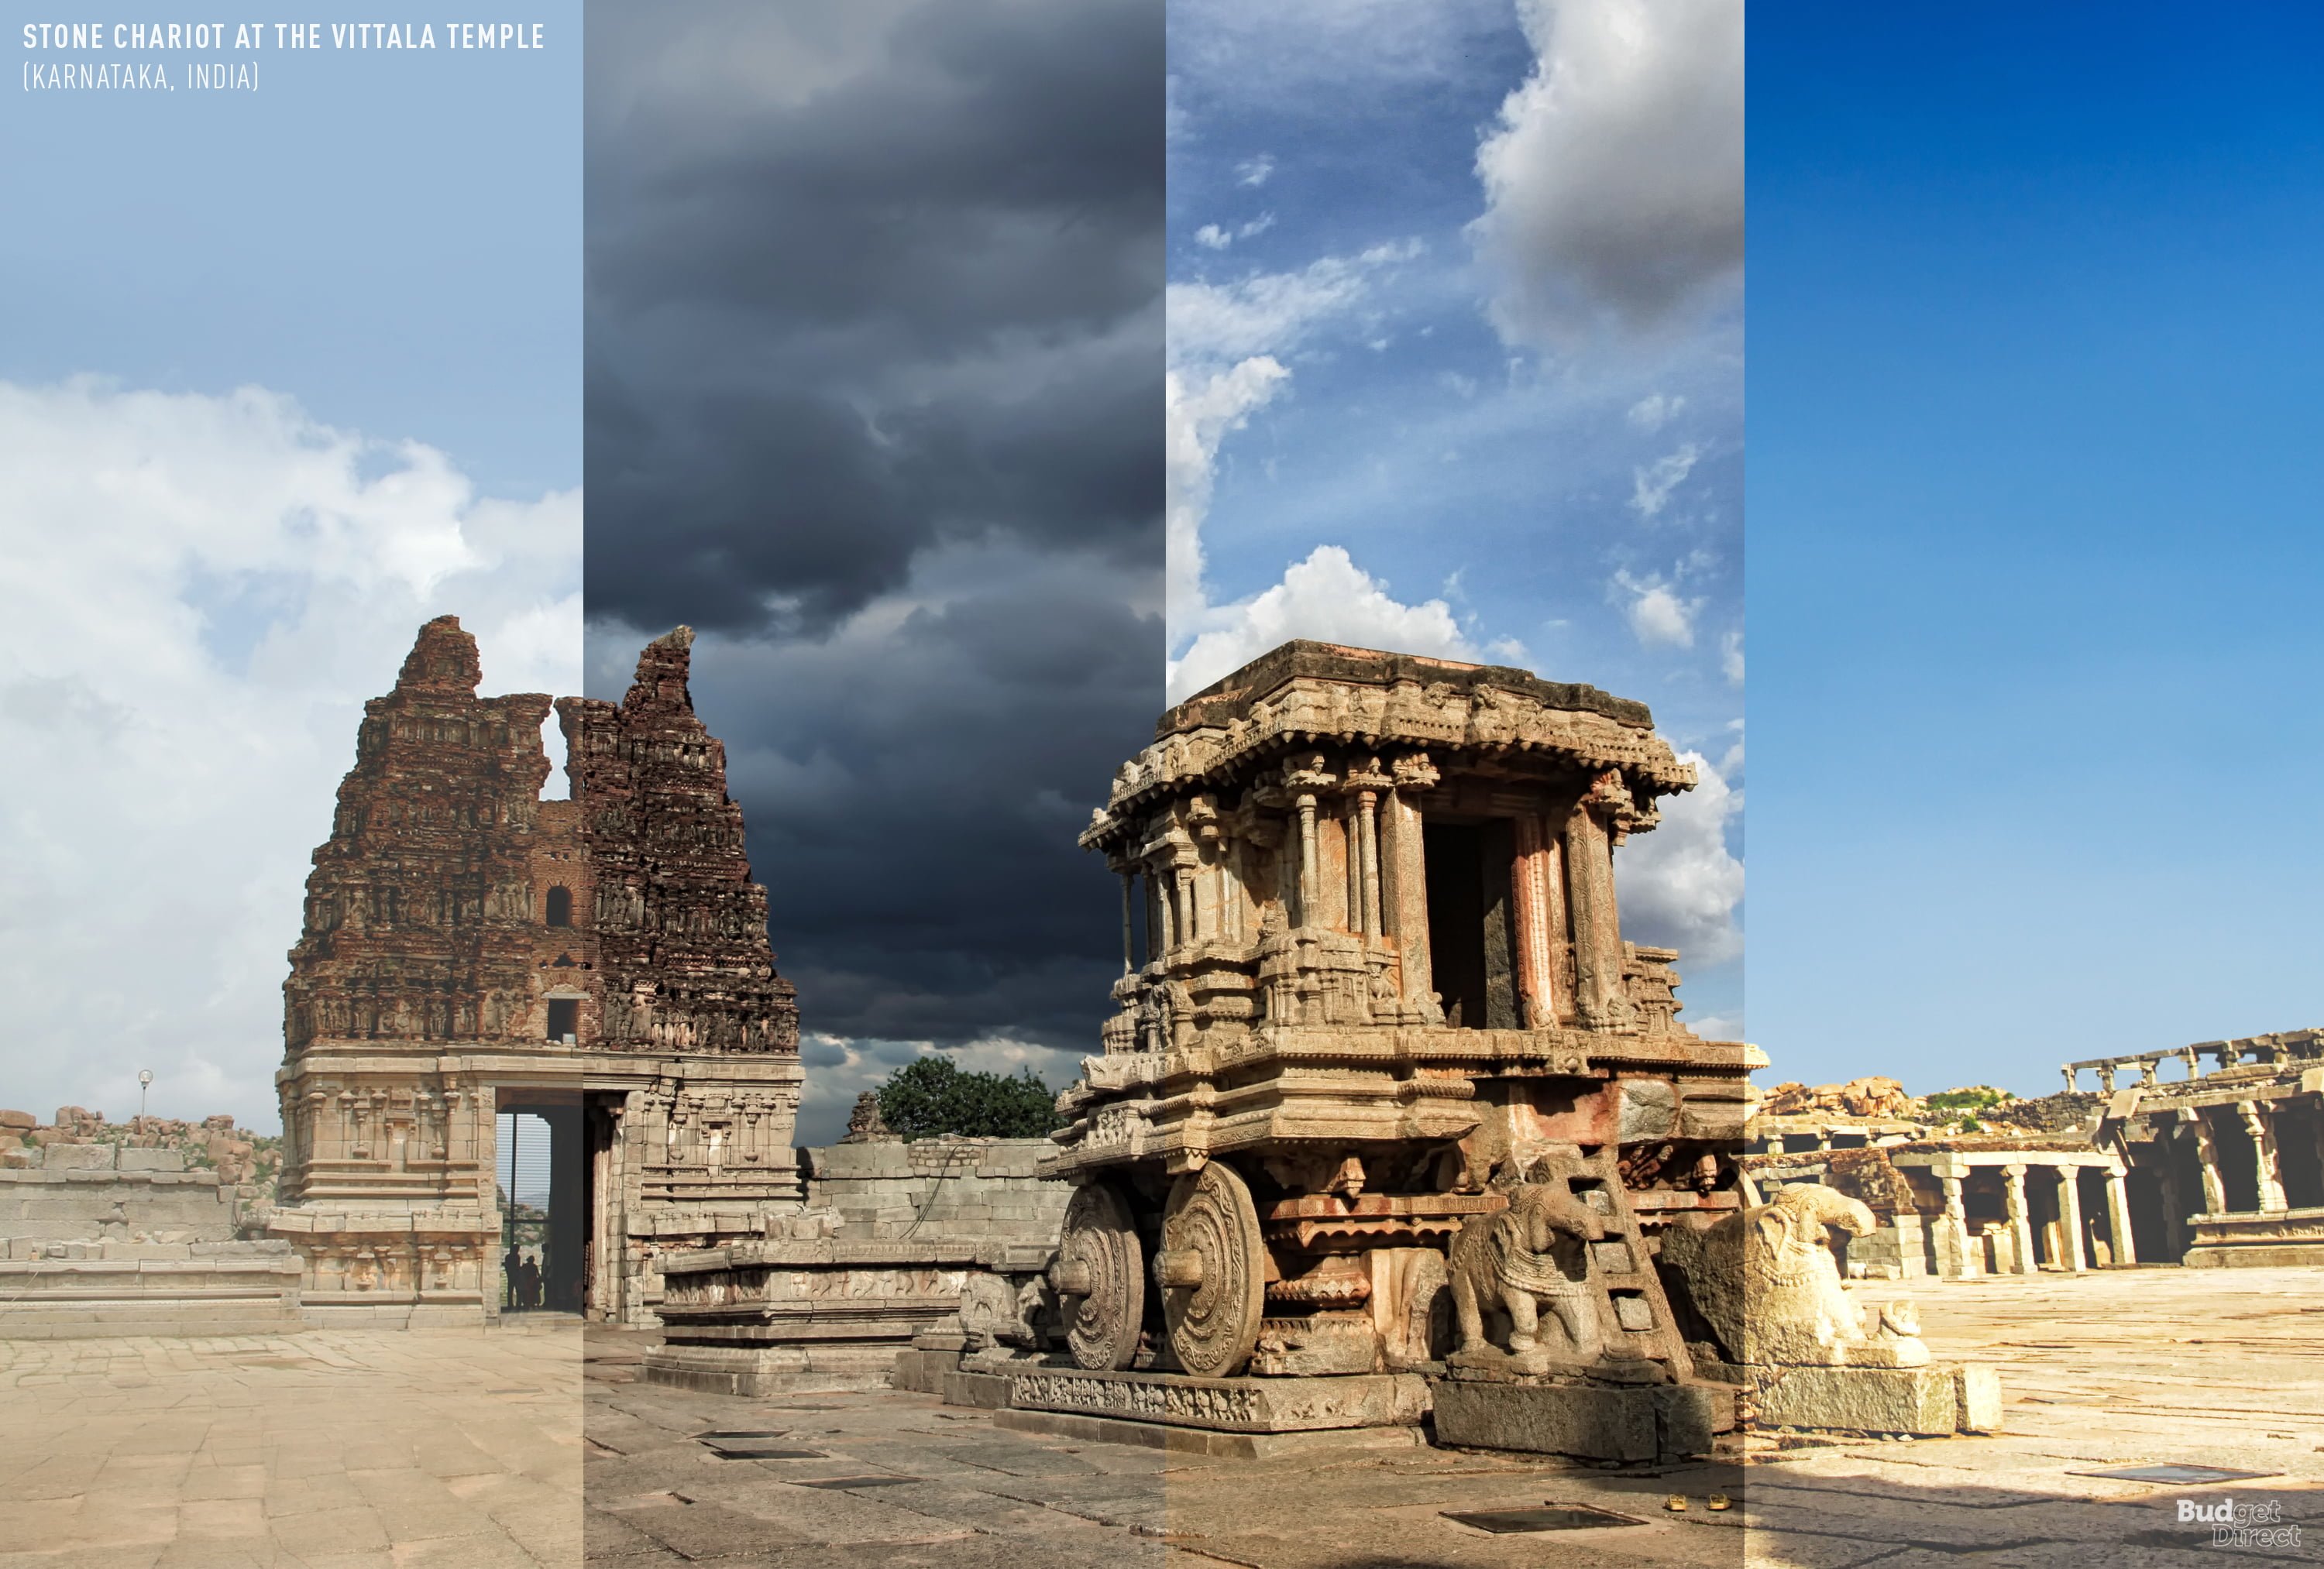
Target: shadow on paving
[898, 1479]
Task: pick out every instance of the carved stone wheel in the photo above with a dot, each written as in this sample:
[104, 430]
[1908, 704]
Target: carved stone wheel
[1212, 1270]
[1100, 1278]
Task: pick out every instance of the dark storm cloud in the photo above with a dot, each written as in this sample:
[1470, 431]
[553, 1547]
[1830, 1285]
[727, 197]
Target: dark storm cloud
[856, 285]
[874, 400]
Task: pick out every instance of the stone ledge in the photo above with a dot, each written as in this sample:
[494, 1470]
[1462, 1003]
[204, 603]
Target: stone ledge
[771, 1370]
[1243, 1405]
[1201, 1441]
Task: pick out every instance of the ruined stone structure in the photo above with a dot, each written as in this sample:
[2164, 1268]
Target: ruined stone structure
[1382, 1002]
[905, 1257]
[470, 949]
[2218, 1166]
[2221, 1165]
[101, 1239]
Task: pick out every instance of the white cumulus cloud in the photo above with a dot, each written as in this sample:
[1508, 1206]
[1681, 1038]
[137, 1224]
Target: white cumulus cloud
[1657, 614]
[1679, 885]
[1327, 597]
[1227, 347]
[1613, 180]
[202, 591]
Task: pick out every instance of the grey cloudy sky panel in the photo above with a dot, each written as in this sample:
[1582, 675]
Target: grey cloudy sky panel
[874, 364]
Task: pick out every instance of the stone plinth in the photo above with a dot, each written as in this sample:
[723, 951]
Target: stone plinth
[1589, 1422]
[164, 1289]
[1933, 1401]
[2256, 1240]
[1240, 1405]
[105, 1242]
[937, 1243]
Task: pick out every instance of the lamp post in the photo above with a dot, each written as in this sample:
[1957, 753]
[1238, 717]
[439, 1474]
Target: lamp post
[144, 1081]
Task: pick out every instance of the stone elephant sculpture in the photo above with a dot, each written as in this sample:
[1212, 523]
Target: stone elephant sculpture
[1509, 1259]
[1764, 1280]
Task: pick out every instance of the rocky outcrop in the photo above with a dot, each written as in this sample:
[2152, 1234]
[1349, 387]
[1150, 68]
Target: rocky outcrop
[1872, 1096]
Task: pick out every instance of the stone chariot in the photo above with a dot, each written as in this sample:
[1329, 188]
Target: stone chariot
[1384, 1070]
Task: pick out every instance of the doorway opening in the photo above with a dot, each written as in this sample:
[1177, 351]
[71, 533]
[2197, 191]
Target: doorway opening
[1472, 940]
[541, 1171]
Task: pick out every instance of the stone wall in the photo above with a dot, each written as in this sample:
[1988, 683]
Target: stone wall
[976, 1189]
[106, 1241]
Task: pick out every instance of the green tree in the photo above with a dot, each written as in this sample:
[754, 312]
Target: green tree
[930, 1095]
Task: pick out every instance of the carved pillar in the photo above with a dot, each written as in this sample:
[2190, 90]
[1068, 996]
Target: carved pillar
[2069, 1071]
[1351, 837]
[1953, 1255]
[1367, 860]
[2021, 1225]
[2070, 1218]
[2174, 1206]
[1181, 880]
[2261, 1129]
[1529, 889]
[2146, 1079]
[1128, 930]
[1158, 900]
[1597, 925]
[2214, 1191]
[1405, 885]
[2125, 1250]
[1308, 876]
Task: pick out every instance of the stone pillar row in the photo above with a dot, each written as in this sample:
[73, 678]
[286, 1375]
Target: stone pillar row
[1562, 883]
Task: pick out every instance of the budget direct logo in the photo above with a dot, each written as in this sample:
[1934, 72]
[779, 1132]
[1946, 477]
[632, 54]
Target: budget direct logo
[2242, 1522]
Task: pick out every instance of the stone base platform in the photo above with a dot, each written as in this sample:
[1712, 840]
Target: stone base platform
[1586, 1421]
[50, 1300]
[1935, 1401]
[772, 1370]
[2289, 1255]
[923, 1372]
[2256, 1240]
[1248, 1406]
[1201, 1440]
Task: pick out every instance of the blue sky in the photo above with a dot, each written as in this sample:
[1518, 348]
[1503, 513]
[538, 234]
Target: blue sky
[2034, 547]
[284, 374]
[1455, 325]
[394, 236]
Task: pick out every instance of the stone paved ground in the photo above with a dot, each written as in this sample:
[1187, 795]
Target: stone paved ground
[2123, 1368]
[332, 1449]
[430, 1449]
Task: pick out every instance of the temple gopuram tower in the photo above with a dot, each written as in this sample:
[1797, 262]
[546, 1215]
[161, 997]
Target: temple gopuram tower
[471, 949]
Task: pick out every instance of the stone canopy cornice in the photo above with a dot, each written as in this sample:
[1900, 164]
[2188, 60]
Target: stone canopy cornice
[1304, 693]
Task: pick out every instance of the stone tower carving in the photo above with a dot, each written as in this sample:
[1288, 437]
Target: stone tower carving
[470, 949]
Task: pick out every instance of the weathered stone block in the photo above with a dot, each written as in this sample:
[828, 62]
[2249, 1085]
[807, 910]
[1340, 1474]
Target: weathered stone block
[1588, 1422]
[1923, 1401]
[152, 1160]
[1977, 1387]
[79, 1158]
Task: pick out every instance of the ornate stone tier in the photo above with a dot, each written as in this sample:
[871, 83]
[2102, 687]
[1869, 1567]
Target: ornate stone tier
[1303, 691]
[1291, 1405]
[1393, 1086]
